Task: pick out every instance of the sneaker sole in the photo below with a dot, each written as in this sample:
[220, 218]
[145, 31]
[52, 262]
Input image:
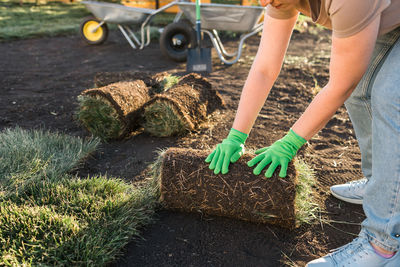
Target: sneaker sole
[349, 200]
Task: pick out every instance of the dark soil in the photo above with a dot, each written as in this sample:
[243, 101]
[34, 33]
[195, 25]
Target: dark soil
[187, 184]
[41, 78]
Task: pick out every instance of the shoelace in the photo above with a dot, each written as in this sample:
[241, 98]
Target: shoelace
[357, 184]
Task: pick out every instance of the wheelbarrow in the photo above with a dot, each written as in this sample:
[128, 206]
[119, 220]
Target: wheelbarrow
[215, 17]
[94, 30]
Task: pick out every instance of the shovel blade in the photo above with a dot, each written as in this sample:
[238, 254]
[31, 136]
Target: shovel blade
[199, 60]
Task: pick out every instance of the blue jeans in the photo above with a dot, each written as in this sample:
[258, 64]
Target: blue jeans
[374, 109]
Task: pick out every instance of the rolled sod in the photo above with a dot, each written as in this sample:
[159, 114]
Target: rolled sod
[208, 94]
[181, 108]
[113, 111]
[187, 184]
[150, 79]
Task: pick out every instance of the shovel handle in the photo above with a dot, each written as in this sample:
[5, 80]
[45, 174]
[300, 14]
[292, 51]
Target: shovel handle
[198, 34]
[198, 24]
[198, 10]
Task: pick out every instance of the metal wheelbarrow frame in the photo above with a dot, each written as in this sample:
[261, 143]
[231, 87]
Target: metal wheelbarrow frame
[222, 17]
[124, 16]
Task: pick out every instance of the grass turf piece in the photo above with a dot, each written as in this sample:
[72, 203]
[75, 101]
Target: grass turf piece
[99, 117]
[181, 108]
[73, 221]
[51, 218]
[162, 119]
[208, 95]
[24, 153]
[28, 233]
[173, 112]
[114, 110]
[305, 206]
[168, 82]
[187, 184]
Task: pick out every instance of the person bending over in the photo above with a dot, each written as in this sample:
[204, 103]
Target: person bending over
[364, 74]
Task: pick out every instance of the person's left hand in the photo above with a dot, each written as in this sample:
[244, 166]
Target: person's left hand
[279, 153]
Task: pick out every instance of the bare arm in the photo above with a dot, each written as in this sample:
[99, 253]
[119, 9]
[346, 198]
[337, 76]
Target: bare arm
[349, 60]
[264, 71]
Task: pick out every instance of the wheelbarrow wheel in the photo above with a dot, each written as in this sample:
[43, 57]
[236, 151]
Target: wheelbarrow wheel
[175, 39]
[91, 32]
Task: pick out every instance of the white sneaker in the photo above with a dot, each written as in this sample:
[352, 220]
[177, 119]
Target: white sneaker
[358, 253]
[352, 192]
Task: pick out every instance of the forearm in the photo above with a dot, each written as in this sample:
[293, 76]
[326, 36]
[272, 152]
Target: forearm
[255, 91]
[321, 110]
[264, 71]
[349, 60]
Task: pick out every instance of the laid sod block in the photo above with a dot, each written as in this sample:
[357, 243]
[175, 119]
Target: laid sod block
[151, 80]
[50, 217]
[113, 111]
[181, 108]
[187, 184]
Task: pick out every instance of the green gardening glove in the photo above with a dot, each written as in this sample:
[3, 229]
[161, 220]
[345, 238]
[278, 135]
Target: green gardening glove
[279, 153]
[230, 150]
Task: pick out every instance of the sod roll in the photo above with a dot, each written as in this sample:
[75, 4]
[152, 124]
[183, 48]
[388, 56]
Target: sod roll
[187, 184]
[150, 79]
[208, 95]
[113, 111]
[181, 108]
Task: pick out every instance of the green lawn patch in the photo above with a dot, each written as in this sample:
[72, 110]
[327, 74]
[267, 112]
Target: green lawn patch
[50, 19]
[24, 152]
[30, 20]
[50, 217]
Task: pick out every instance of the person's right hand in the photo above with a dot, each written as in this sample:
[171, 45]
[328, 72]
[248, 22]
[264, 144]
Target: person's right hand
[230, 150]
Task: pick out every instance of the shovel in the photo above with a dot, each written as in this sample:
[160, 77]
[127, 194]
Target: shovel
[198, 58]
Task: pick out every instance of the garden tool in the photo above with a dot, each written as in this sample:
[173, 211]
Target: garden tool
[198, 58]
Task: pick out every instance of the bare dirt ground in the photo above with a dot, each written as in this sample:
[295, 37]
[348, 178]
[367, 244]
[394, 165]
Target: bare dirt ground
[41, 78]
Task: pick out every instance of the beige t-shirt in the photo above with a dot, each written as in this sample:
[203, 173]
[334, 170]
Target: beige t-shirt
[344, 17]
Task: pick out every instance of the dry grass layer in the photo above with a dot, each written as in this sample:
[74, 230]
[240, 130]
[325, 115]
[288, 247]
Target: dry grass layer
[187, 184]
[181, 108]
[150, 79]
[208, 95]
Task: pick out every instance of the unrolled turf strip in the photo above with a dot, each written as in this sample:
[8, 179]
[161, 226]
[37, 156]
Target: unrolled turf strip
[187, 184]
